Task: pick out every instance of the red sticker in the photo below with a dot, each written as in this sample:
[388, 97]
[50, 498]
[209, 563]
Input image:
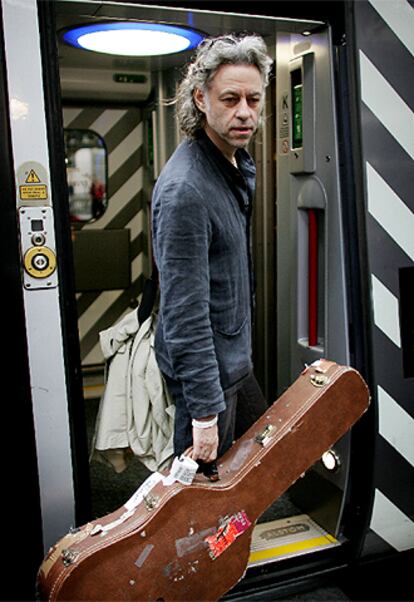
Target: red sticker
[226, 534]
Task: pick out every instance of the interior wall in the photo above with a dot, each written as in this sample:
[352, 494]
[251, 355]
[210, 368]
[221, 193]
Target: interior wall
[122, 130]
[264, 250]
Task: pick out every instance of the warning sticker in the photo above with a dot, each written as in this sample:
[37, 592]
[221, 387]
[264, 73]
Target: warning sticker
[33, 192]
[32, 177]
[33, 183]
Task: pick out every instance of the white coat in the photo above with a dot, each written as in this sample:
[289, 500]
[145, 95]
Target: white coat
[136, 412]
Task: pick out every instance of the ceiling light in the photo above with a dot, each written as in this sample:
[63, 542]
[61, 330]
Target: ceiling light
[133, 39]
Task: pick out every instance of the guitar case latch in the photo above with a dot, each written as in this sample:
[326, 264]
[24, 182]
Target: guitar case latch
[319, 380]
[264, 437]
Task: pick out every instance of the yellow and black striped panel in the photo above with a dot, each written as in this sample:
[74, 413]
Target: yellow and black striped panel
[122, 132]
[385, 47]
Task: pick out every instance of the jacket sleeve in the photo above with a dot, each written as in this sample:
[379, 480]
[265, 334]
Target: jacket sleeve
[182, 234]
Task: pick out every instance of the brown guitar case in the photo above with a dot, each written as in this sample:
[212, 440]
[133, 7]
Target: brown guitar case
[192, 542]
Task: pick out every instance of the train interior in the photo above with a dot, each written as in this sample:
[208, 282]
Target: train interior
[119, 130]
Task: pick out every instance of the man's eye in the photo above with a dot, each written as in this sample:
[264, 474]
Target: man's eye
[230, 100]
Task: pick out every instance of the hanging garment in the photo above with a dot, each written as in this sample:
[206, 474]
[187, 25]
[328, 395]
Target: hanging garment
[136, 412]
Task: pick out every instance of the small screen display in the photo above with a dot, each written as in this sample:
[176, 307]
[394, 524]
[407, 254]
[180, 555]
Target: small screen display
[297, 120]
[37, 225]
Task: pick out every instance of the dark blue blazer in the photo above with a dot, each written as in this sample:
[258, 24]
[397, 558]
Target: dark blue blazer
[201, 210]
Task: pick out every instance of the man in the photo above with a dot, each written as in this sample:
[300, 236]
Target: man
[202, 205]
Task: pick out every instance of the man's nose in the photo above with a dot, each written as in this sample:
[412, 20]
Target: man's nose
[243, 109]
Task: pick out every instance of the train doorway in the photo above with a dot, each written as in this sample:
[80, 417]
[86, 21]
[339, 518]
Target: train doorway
[118, 132]
[117, 120]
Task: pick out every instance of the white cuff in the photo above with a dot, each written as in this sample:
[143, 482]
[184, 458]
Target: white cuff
[200, 424]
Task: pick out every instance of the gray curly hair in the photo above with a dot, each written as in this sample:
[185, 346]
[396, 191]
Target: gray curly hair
[211, 53]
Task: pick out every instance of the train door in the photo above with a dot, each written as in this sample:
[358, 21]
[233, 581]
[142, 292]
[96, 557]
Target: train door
[44, 498]
[17, 413]
[41, 268]
[308, 312]
[311, 277]
[297, 229]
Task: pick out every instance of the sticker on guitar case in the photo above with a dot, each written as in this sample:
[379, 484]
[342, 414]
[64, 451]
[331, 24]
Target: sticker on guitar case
[231, 528]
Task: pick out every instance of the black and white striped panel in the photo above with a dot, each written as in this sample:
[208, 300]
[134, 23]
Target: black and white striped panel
[385, 38]
[122, 131]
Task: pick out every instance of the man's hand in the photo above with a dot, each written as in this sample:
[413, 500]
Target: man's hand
[205, 442]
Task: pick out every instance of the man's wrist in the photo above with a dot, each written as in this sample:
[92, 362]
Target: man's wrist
[204, 423]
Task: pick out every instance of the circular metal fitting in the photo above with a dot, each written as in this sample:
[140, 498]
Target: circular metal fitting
[39, 262]
[38, 239]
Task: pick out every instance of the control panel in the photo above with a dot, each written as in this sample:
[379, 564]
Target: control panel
[38, 247]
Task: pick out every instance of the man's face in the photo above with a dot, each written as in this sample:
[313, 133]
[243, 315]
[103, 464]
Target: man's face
[232, 106]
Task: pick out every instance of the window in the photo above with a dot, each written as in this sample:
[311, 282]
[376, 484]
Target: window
[86, 166]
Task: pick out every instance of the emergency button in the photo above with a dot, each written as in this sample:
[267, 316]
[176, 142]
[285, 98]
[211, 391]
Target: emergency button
[40, 262]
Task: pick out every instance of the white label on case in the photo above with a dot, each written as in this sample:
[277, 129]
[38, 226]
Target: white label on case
[143, 490]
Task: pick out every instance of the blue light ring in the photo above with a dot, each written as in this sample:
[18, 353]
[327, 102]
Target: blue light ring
[72, 35]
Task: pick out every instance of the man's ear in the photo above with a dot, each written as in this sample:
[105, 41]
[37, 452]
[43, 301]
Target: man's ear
[199, 100]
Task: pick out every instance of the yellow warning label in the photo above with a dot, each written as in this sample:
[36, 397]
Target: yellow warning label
[31, 192]
[32, 178]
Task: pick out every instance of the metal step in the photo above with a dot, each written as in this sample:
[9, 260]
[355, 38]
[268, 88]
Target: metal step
[286, 537]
